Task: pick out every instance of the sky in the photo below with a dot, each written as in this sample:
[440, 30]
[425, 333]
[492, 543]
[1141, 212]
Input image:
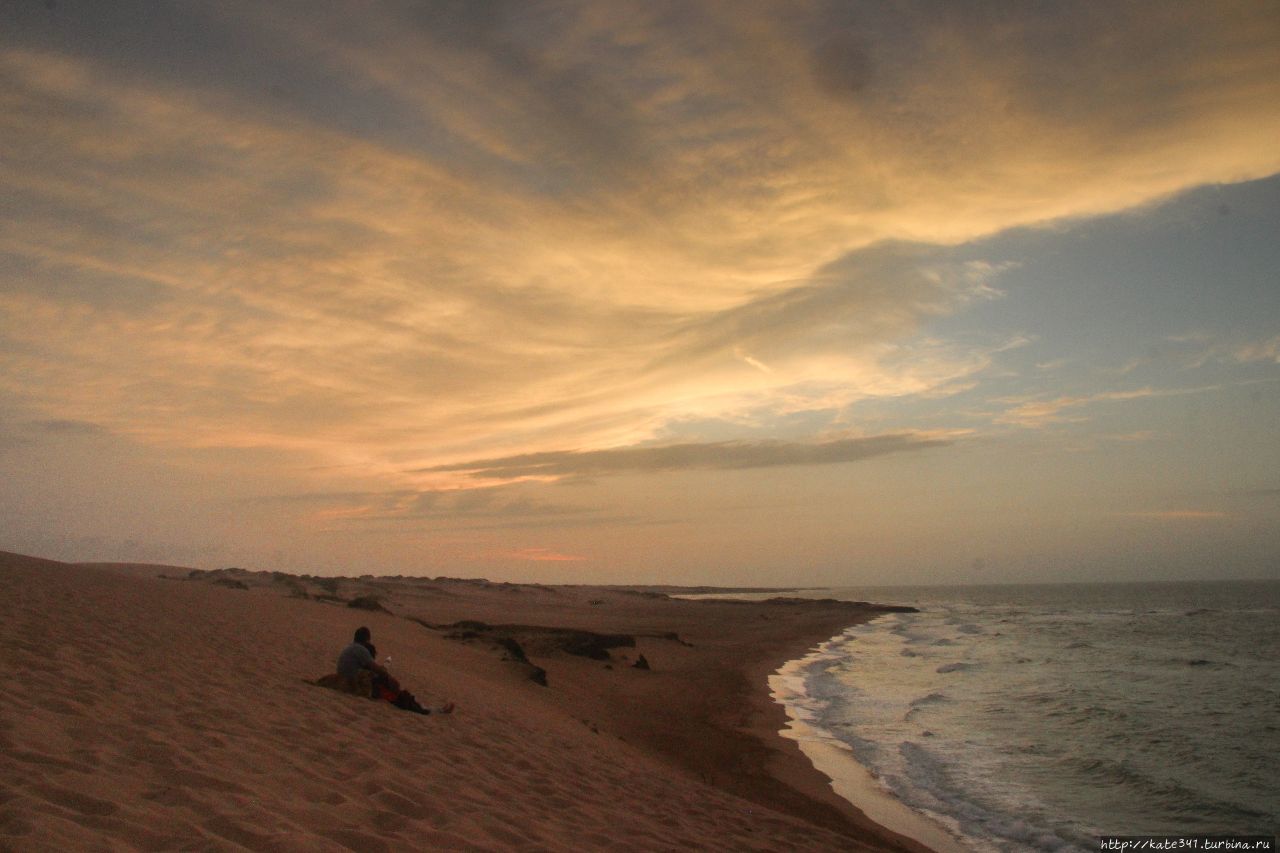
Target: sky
[753, 293]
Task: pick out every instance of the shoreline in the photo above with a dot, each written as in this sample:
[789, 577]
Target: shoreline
[838, 772]
[792, 766]
[696, 729]
[849, 778]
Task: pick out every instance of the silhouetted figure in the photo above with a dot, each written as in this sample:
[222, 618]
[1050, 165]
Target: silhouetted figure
[359, 672]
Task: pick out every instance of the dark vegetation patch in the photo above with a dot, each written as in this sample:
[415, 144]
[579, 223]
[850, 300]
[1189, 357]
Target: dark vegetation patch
[501, 642]
[572, 641]
[230, 583]
[849, 605]
[367, 602]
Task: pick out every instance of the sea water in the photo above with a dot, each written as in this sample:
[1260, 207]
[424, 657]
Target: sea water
[1042, 717]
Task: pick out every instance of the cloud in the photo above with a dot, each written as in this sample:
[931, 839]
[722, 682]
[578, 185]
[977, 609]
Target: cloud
[727, 455]
[1178, 515]
[452, 231]
[1195, 350]
[1038, 413]
[1263, 351]
[20, 433]
[66, 427]
[1141, 435]
[485, 507]
[842, 64]
[866, 298]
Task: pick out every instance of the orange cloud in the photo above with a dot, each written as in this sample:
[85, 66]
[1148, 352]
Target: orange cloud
[516, 245]
[1042, 413]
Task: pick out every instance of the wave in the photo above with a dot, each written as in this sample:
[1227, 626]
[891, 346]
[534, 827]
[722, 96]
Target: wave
[1046, 726]
[916, 706]
[933, 788]
[1169, 795]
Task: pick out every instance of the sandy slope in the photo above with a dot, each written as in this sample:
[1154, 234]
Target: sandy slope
[170, 714]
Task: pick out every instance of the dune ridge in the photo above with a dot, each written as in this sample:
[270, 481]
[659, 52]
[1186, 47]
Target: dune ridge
[174, 713]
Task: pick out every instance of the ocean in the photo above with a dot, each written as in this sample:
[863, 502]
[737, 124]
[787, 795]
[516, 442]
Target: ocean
[1042, 717]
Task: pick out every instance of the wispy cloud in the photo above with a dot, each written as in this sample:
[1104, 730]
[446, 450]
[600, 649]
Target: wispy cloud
[1194, 350]
[435, 233]
[1036, 413]
[727, 455]
[491, 506]
[1263, 351]
[1178, 515]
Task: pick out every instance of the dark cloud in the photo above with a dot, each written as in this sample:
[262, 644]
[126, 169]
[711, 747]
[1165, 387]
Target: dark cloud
[28, 433]
[473, 23]
[482, 504]
[65, 283]
[725, 455]
[69, 427]
[842, 64]
[326, 499]
[228, 57]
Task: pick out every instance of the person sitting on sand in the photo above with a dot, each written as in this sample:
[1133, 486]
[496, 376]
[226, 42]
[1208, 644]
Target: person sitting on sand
[356, 665]
[359, 672]
[384, 684]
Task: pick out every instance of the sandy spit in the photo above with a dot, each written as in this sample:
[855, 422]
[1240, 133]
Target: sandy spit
[140, 712]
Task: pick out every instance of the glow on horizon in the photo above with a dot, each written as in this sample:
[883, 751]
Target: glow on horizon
[445, 283]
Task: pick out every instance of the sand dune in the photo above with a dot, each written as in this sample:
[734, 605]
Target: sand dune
[154, 714]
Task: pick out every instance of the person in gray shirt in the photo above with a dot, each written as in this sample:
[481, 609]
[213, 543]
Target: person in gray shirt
[357, 656]
[360, 673]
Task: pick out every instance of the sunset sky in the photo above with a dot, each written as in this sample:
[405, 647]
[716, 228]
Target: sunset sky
[689, 292]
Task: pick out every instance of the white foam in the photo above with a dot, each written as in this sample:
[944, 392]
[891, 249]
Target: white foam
[835, 759]
[1051, 677]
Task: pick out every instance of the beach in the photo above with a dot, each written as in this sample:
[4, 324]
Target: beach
[156, 708]
[1043, 717]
